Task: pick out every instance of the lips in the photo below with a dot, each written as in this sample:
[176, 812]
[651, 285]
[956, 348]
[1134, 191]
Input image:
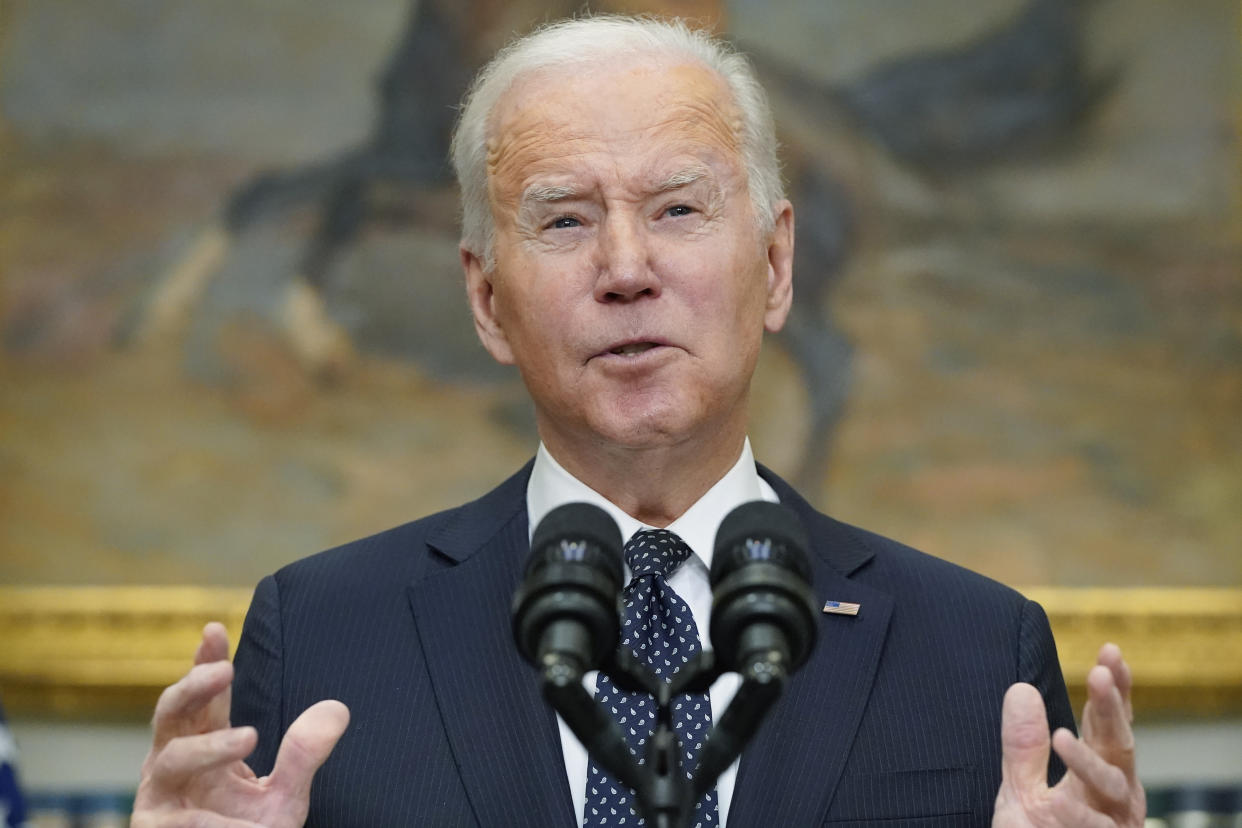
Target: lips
[632, 348]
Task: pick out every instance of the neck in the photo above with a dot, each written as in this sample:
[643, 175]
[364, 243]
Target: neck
[654, 485]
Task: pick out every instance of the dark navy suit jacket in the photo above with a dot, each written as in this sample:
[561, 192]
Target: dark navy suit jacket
[895, 719]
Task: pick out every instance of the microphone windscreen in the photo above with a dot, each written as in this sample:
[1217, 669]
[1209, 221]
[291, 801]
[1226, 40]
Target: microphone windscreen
[567, 601]
[760, 531]
[575, 523]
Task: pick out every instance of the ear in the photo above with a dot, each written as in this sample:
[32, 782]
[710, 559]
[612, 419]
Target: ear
[780, 252]
[482, 298]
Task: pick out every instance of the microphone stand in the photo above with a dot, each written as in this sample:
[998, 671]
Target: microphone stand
[665, 798]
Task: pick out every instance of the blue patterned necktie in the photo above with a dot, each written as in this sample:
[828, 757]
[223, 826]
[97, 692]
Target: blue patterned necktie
[658, 628]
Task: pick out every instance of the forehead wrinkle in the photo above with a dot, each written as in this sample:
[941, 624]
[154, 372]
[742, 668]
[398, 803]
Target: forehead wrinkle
[513, 146]
[704, 135]
[702, 122]
[718, 119]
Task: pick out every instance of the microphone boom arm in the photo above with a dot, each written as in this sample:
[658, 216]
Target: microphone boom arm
[763, 681]
[590, 722]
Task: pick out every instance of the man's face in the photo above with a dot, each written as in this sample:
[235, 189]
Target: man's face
[631, 284]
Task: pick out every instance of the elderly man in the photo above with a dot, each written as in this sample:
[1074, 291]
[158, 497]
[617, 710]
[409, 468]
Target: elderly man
[626, 245]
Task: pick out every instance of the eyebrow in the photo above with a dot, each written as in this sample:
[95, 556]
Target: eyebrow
[552, 193]
[543, 193]
[546, 193]
[682, 178]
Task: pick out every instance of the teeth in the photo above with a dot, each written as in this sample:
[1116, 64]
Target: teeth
[636, 348]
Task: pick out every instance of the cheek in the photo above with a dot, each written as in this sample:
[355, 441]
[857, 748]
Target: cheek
[536, 308]
[724, 282]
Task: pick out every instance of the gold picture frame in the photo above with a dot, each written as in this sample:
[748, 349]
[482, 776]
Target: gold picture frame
[106, 652]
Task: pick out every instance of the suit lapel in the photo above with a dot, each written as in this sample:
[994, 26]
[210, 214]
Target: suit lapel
[792, 767]
[503, 735]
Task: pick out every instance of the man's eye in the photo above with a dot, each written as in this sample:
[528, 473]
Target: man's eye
[679, 210]
[564, 223]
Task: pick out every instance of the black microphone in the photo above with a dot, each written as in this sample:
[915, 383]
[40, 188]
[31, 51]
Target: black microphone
[566, 621]
[565, 611]
[763, 622]
[763, 610]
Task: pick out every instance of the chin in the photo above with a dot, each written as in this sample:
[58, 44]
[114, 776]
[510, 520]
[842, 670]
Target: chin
[642, 427]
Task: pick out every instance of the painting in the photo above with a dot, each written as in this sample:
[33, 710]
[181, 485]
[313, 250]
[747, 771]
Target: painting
[233, 329]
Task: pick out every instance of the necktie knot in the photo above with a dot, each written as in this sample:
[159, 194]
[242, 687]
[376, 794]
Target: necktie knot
[655, 551]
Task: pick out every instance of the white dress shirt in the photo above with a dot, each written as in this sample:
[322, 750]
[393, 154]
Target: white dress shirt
[551, 486]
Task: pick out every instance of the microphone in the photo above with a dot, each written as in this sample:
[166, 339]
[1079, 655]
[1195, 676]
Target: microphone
[763, 622]
[763, 610]
[566, 622]
[565, 611]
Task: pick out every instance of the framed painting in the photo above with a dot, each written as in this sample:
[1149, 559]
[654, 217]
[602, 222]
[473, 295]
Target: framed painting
[233, 330]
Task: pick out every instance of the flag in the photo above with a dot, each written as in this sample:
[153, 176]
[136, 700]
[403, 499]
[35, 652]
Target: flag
[12, 806]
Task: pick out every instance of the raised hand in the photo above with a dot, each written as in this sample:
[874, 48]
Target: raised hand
[195, 774]
[1100, 788]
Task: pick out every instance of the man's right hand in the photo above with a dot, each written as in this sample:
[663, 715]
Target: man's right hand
[195, 775]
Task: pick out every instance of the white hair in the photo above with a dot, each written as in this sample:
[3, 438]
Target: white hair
[591, 40]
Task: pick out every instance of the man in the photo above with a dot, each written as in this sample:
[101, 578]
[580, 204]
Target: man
[626, 245]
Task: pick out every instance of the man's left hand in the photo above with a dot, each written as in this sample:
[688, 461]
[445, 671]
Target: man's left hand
[1100, 787]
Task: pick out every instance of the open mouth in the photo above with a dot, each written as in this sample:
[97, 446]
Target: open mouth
[633, 348]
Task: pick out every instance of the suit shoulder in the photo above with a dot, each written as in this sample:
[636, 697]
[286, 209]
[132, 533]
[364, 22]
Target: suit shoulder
[903, 569]
[883, 562]
[383, 554]
[403, 552]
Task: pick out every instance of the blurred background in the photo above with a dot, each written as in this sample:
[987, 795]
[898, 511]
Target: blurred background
[233, 329]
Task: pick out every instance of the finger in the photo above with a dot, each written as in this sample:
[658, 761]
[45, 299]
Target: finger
[1025, 744]
[1106, 726]
[188, 757]
[1105, 784]
[306, 745]
[214, 645]
[1069, 810]
[182, 708]
[1110, 656]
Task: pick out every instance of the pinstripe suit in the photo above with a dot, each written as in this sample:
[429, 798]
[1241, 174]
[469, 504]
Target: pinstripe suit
[895, 718]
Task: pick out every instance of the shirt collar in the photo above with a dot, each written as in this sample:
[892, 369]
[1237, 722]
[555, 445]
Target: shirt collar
[551, 486]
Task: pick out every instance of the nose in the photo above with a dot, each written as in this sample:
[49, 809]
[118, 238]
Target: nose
[625, 262]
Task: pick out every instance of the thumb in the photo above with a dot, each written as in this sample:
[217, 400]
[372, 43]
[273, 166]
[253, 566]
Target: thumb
[306, 745]
[1025, 743]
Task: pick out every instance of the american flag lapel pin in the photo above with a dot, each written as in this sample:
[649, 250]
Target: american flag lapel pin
[841, 608]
